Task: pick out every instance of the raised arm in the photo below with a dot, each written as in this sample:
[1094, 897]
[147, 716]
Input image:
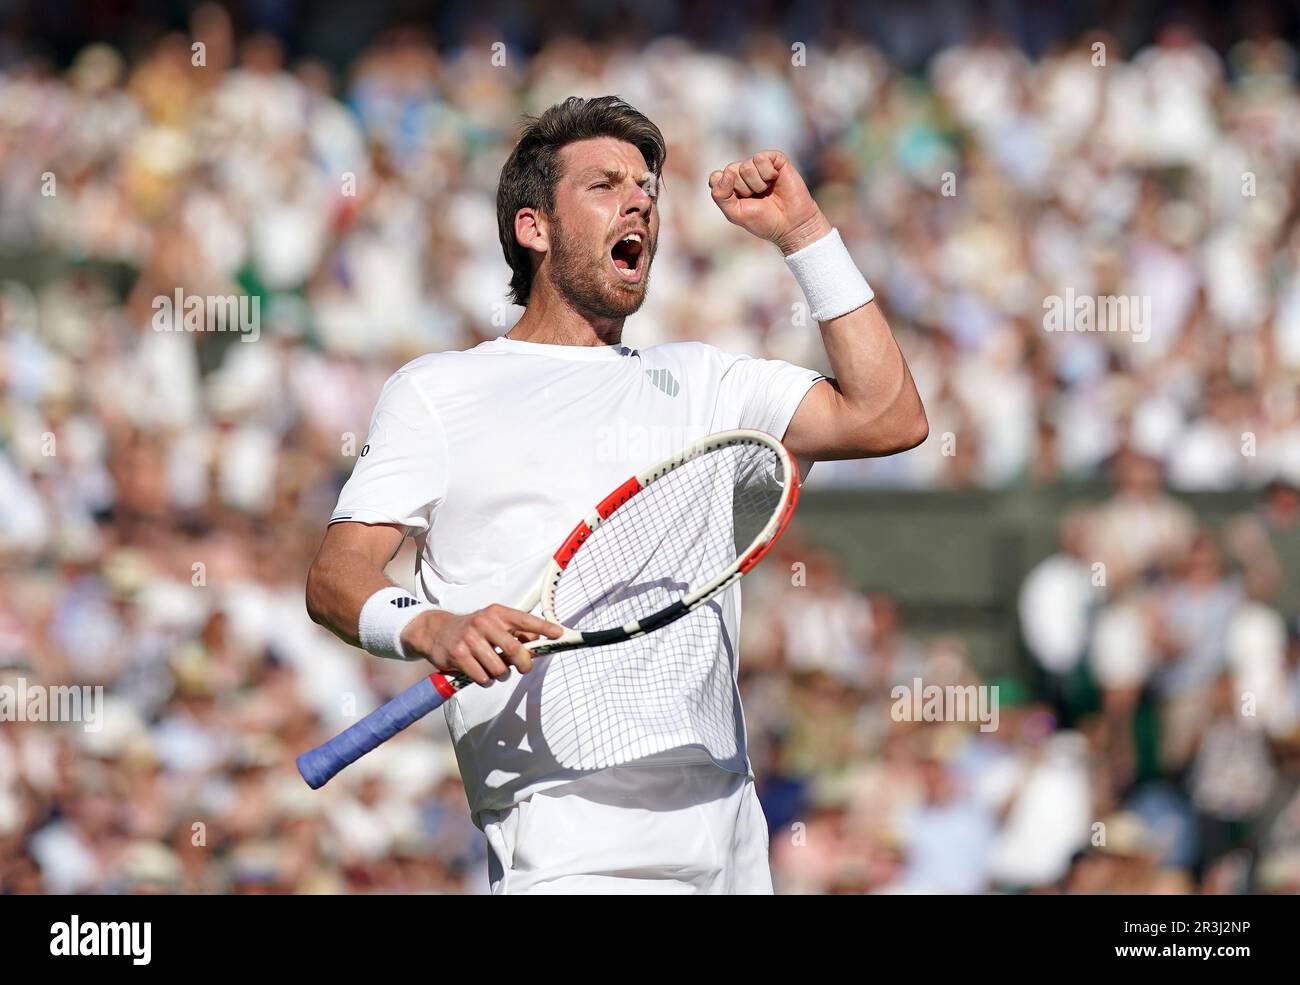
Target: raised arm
[871, 407]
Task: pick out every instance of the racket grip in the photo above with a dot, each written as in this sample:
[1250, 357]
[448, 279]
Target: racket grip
[319, 765]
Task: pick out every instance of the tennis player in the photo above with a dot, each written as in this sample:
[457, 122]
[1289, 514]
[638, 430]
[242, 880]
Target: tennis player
[488, 457]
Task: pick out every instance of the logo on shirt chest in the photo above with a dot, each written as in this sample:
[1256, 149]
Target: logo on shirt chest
[664, 380]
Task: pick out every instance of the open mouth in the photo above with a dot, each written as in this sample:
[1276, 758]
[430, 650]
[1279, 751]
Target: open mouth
[626, 254]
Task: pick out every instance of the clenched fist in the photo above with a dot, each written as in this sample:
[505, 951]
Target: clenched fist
[766, 196]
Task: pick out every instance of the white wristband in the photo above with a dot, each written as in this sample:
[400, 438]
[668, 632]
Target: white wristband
[830, 279]
[383, 618]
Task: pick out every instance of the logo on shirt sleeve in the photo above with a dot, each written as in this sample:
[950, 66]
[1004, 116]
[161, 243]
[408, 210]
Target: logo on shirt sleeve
[664, 380]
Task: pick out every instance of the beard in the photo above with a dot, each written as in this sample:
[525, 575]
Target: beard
[583, 282]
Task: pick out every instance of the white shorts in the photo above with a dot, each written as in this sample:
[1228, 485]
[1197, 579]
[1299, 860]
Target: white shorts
[633, 829]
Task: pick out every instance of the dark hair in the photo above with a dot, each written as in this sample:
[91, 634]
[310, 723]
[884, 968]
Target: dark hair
[532, 171]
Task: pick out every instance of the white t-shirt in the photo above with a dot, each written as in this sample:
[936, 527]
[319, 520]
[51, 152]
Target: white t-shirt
[489, 458]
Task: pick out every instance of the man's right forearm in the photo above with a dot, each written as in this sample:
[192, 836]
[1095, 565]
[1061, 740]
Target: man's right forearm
[338, 585]
[349, 594]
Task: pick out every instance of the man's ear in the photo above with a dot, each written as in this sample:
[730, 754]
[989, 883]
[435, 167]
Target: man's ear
[532, 230]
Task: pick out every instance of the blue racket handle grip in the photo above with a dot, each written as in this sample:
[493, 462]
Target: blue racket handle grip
[319, 765]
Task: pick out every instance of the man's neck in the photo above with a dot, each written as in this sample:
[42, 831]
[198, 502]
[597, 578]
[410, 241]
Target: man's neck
[552, 320]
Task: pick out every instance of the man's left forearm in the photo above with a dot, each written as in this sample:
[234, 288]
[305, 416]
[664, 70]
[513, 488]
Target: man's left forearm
[871, 406]
[874, 399]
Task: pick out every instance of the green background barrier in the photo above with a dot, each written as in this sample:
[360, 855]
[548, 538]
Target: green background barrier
[955, 560]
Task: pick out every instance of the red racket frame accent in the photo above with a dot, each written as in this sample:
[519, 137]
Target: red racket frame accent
[604, 509]
[757, 554]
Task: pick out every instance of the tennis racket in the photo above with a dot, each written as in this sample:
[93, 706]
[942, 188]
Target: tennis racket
[662, 544]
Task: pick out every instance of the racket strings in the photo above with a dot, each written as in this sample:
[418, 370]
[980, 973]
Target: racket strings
[673, 687]
[671, 538]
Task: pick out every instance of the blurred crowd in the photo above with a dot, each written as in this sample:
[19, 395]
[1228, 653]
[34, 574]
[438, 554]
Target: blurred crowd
[163, 490]
[1153, 746]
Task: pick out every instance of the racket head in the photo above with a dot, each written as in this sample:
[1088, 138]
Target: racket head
[666, 520]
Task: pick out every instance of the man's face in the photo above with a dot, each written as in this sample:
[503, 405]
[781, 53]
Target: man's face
[605, 227]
